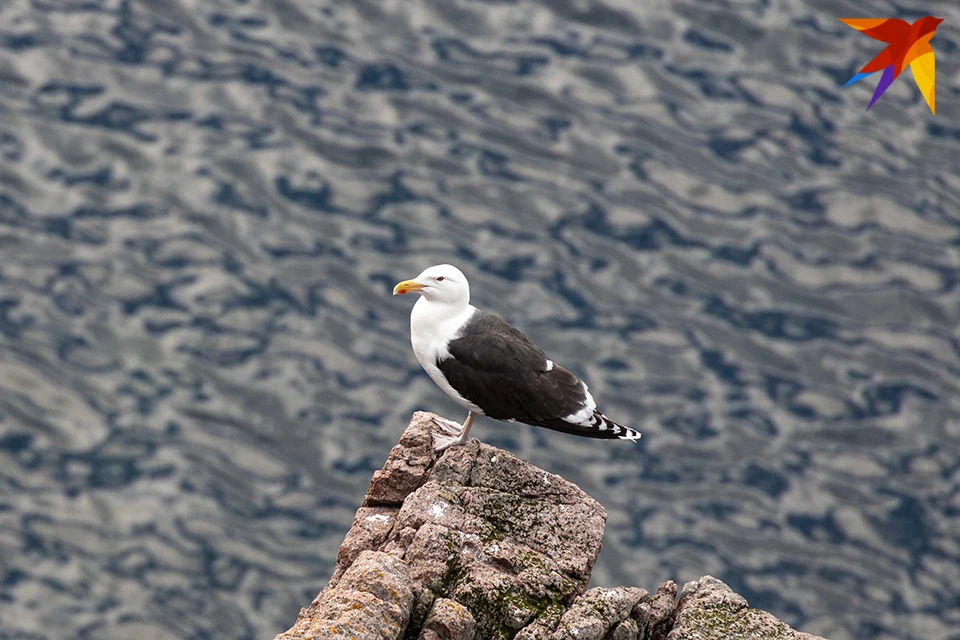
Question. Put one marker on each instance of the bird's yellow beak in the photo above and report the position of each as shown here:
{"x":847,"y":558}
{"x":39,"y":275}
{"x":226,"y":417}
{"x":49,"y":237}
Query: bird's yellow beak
{"x":407,"y":286}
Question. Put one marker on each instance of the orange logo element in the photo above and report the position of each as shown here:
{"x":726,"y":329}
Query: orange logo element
{"x":906,"y":44}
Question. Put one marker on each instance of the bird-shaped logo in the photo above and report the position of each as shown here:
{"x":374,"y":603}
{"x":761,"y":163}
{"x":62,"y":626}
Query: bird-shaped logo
{"x":906,"y":44}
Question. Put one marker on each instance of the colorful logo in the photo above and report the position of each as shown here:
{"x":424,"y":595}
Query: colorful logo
{"x":906,"y":44}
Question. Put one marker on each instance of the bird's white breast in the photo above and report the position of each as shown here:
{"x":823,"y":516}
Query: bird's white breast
{"x":432,"y":326}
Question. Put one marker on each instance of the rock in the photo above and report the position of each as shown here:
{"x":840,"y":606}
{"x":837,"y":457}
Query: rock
{"x":371,"y":601}
{"x":496,"y":534}
{"x":599,"y":612}
{"x":448,"y":620}
{"x":661,"y":610}
{"x":406,"y":467}
{"x":476,"y":543}
{"x":708,"y":609}
{"x":625,"y":630}
{"x":641,"y":617}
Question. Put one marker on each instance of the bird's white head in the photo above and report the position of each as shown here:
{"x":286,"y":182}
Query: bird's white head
{"x":442,"y":283}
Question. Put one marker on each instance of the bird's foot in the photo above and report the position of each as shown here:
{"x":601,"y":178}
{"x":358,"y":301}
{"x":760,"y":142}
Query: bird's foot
{"x":448,"y":426}
{"x":442,"y":441}
{"x":452,"y":434}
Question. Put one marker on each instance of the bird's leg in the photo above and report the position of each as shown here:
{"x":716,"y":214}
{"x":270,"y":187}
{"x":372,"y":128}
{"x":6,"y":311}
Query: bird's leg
{"x":454,"y":434}
{"x":471,"y":416}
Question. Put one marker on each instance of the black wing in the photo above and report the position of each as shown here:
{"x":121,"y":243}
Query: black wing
{"x":501,"y":371}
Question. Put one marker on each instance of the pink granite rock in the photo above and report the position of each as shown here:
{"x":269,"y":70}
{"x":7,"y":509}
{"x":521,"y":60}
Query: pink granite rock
{"x":661,"y":610}
{"x":596,"y":615}
{"x":448,"y":620}
{"x":476,"y":543}
{"x":710,"y":610}
{"x":372,"y":601}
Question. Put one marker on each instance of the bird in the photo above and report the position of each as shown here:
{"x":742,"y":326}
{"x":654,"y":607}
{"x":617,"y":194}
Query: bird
{"x":906,"y":44}
{"x":492,"y":369}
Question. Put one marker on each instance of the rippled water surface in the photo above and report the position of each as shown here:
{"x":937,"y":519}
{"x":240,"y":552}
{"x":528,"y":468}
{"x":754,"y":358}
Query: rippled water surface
{"x":204,"y":206}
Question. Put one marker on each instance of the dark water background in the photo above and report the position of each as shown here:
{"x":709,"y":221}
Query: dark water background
{"x":204,"y":205}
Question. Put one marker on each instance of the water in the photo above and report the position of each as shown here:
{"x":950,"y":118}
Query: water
{"x":204,"y":206}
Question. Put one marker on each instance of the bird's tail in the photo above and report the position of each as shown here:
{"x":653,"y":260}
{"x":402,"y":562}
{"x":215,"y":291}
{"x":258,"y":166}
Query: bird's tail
{"x":618,"y":430}
{"x":597,"y":426}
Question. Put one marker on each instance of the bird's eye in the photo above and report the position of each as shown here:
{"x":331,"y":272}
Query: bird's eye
{"x":439,"y":278}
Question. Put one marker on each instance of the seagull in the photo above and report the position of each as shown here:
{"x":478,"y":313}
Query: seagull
{"x":492,"y":369}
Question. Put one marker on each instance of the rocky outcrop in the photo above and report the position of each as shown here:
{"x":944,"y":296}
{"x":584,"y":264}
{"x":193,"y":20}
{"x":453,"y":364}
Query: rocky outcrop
{"x":710,"y":610}
{"x":372,"y":599}
{"x":476,"y":543}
